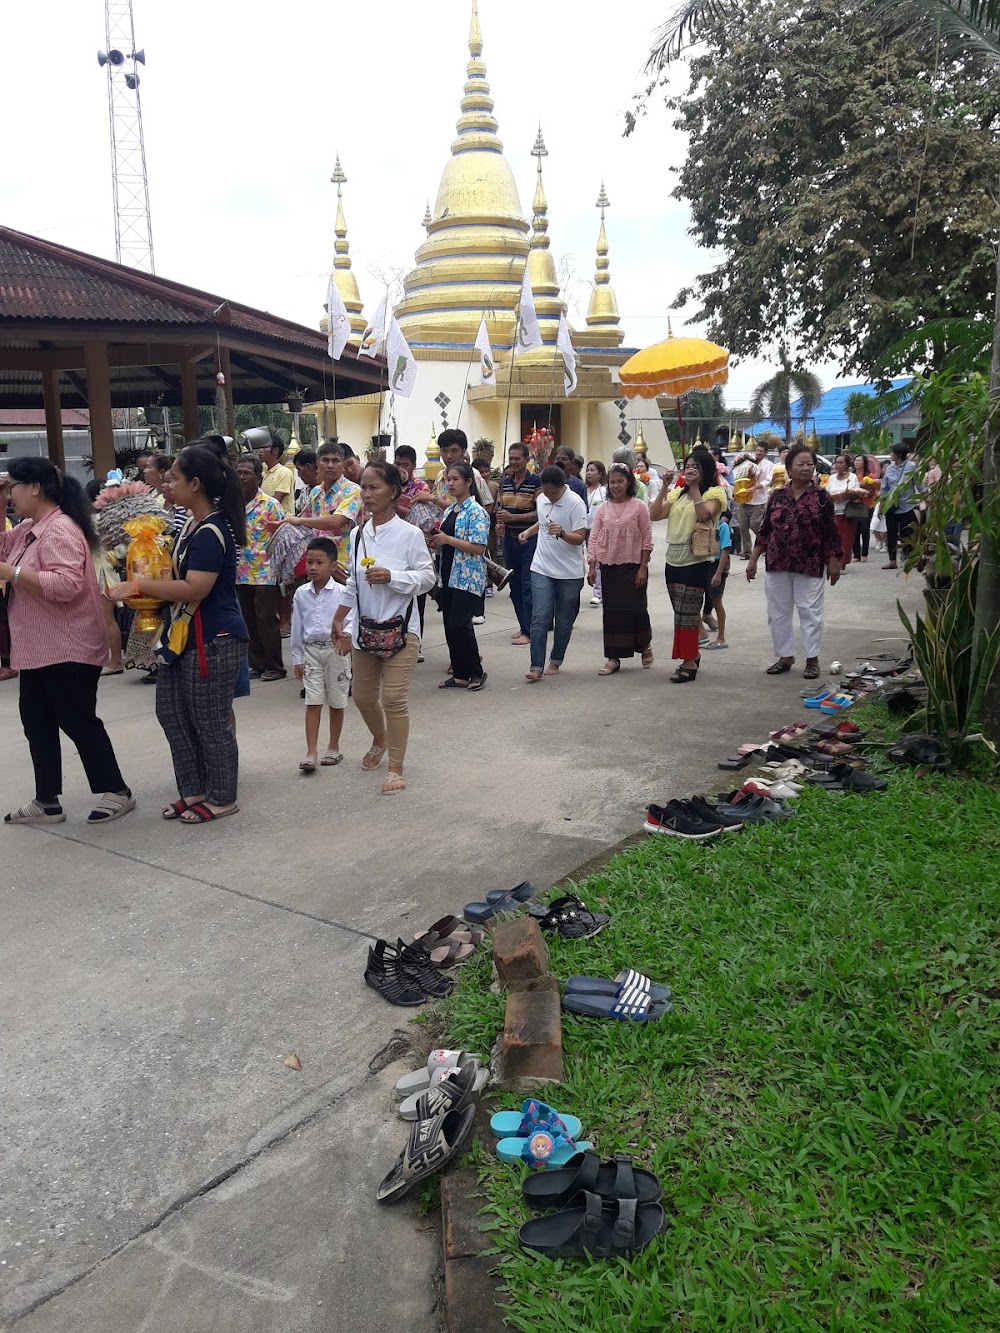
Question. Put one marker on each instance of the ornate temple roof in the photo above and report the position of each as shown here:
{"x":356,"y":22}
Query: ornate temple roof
{"x":473,"y":258}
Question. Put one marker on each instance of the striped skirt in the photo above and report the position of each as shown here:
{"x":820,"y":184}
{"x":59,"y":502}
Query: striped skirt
{"x":686,"y":586}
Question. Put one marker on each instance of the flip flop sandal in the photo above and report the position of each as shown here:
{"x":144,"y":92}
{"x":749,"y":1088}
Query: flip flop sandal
{"x":270,"y":676}
{"x":541,"y":910}
{"x":616,"y":1179}
{"x":778,"y":668}
{"x":591,"y":1226}
{"x":202,"y":814}
{"x":449,"y":928}
{"x":450,"y":1089}
{"x":431,"y":1146}
{"x":837,"y":703}
{"x":478,"y":682}
{"x":174,"y":810}
{"x":736,"y":761}
{"x":374,"y":753}
{"x":477,"y":913}
{"x":331,"y":758}
{"x":630,"y":1006}
{"x":818,"y":700}
{"x":451,"y":953}
{"x":628,"y":979}
{"x":858,"y":780}
{"x":544,"y":1148}
{"x":452,"y":684}
{"x":533,"y":1115}
{"x":920,"y":751}
{"x":307,"y":766}
{"x":420,"y":1079}
{"x":521,"y":892}
{"x":749,"y":748}
{"x":575,"y":922}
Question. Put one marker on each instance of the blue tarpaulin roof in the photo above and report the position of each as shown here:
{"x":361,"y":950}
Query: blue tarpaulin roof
{"x":829,"y":418}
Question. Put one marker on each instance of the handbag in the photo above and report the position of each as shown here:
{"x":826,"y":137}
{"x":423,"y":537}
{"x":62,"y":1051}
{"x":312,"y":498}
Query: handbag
{"x":704,"y":540}
{"x":855,"y":509}
{"x":382,"y":638}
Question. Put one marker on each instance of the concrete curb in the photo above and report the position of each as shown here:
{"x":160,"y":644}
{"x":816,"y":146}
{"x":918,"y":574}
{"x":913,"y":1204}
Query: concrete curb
{"x":469,"y":1286}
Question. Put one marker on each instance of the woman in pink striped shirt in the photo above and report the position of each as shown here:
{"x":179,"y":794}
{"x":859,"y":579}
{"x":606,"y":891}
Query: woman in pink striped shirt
{"x":58,"y":638}
{"x":621,"y":543}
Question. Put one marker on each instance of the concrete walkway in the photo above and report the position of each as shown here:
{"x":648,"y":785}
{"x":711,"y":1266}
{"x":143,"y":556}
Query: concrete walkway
{"x":163,"y":1169}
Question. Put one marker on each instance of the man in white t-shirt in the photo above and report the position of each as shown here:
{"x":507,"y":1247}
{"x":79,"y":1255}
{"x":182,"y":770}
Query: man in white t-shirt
{"x":557,"y":570}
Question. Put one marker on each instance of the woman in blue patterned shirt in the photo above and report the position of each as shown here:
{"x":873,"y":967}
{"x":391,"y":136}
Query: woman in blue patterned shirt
{"x":461,"y":541}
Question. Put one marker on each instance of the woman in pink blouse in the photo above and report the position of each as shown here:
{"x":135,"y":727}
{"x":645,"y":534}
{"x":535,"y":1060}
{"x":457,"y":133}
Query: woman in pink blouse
{"x":58,"y":640}
{"x":621,"y":542}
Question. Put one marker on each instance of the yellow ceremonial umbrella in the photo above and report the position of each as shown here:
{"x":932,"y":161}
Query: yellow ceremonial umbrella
{"x":675,"y":367}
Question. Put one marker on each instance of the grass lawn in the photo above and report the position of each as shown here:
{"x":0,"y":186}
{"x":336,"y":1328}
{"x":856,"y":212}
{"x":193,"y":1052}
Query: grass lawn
{"x":822,"y":1105}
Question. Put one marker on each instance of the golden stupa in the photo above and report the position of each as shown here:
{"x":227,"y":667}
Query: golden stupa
{"x":476,"y":247}
{"x":542,"y":273}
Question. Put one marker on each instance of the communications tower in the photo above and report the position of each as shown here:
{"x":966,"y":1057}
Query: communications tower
{"x":129,"y":184}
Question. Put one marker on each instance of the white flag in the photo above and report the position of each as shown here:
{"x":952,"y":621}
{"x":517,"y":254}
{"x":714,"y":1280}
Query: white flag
{"x":487,"y":370}
{"x":529,"y":335}
{"x":402,"y":365}
{"x":338,"y":322}
{"x":373,"y":338}
{"x":564,"y":346}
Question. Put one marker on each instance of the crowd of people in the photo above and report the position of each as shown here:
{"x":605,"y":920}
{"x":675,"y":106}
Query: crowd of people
{"x":346,"y":555}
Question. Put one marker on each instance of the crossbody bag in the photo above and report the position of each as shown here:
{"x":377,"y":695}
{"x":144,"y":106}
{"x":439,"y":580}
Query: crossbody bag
{"x":381,"y":638}
{"x":183,"y":617}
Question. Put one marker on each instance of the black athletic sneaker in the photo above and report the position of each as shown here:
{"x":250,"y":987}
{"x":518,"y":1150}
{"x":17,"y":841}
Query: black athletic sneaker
{"x":678,"y":821}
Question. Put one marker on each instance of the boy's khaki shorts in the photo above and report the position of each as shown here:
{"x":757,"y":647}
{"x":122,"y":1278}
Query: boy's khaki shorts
{"x":327,"y":676}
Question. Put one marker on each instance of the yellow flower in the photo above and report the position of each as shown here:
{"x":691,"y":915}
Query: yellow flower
{"x":368,"y":561}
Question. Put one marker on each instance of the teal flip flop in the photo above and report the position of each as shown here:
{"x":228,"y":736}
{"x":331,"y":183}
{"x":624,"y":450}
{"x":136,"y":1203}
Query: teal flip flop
{"x":533,"y":1115}
{"x":542,"y":1149}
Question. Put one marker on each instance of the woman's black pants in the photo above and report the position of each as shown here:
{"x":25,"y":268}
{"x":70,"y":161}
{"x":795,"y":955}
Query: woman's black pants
{"x":58,"y":698}
{"x":458,"y":608}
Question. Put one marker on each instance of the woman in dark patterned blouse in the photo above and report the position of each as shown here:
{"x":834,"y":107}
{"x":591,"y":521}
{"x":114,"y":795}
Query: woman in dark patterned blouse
{"x":801,"y":548}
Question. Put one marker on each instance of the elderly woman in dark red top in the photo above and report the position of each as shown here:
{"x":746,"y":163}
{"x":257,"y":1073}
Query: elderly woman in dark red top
{"x":801,"y":548}
{"x":58,"y":639}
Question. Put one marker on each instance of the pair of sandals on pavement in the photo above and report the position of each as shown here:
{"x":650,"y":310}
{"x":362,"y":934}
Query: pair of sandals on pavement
{"x":111,"y":805}
{"x":404,"y":975}
{"x":605,"y":1209}
{"x":537,"y":1135}
{"x":199,"y":812}
{"x":443,"y":1117}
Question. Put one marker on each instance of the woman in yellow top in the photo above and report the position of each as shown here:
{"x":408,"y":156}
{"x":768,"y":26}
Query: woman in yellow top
{"x":697,"y":500}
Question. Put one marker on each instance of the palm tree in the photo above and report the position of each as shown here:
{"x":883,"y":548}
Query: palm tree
{"x":974,"y":27}
{"x":773,"y":398}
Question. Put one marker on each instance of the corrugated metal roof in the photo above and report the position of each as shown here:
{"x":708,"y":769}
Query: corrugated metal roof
{"x":829,"y":418}
{"x":32,"y":418}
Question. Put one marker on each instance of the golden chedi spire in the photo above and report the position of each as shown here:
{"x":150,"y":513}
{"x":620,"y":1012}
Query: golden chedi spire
{"x":473,"y":258}
{"x":603,"y":328}
{"x":343,"y":274}
{"x":427,"y":216}
{"x":542,"y":271}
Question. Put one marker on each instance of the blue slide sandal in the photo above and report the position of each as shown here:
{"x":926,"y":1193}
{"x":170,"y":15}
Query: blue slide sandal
{"x":533,"y":1115}
{"x":541,"y":1150}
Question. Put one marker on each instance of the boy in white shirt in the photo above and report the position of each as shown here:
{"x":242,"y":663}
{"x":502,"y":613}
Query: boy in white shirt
{"x":326,"y":674}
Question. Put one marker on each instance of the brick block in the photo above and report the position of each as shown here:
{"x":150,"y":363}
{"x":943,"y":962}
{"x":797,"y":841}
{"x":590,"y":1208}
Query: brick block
{"x":470,"y":1296}
{"x":544,"y":983}
{"x":532,"y":1038}
{"x":460,"y":1217}
{"x":519,"y":950}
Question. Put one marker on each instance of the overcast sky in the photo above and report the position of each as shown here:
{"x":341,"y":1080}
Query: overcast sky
{"x":245,"y":106}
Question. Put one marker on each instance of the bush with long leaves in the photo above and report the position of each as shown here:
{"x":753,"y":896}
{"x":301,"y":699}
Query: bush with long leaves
{"x":956,"y":678}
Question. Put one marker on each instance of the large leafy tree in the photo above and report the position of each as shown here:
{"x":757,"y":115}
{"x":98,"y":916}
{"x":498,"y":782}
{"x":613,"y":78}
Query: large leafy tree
{"x":847,"y":177}
{"x":774,"y":398}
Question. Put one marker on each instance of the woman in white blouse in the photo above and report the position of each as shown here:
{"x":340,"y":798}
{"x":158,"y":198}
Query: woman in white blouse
{"x":388,"y":568}
{"x":844,"y":488}
{"x":597,"y":493}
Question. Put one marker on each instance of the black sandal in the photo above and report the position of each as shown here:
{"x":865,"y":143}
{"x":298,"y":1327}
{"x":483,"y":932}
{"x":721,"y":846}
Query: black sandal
{"x":591,"y":1226}
{"x":431,"y":1146}
{"x":384,"y":976}
{"x":811,"y":673}
{"x":779,"y":668}
{"x":570,"y":919}
{"x":616,"y":1179}
{"x":682,"y":675}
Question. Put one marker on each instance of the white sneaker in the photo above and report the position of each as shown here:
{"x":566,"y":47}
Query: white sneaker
{"x":479,"y":620}
{"x":489,"y":592}
{"x":595,"y":601}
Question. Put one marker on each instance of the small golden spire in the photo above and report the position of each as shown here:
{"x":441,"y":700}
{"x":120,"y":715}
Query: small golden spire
{"x":477,"y":129}
{"x":475,"y":32}
{"x":343,"y":275}
{"x":540,"y":221}
{"x":602,"y":313}
{"x":640,"y":442}
{"x":427,"y":215}
{"x":542,"y":271}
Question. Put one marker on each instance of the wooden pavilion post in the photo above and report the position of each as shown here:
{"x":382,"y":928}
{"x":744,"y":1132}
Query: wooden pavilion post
{"x":53,"y":417}
{"x":189,"y":398}
{"x":222,"y":363}
{"x":102,"y":435}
